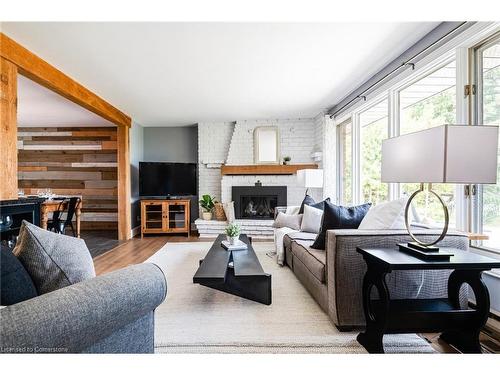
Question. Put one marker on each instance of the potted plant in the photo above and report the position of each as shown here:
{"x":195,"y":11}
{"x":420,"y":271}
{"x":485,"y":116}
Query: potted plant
{"x":233,"y":233}
{"x":207,"y":204}
{"x":286,"y":160}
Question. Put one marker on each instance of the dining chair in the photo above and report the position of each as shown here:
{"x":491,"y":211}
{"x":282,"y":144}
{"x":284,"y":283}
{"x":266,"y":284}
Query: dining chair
{"x":58,"y":225}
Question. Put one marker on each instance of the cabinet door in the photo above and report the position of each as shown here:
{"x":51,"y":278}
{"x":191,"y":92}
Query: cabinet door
{"x":165,"y":216}
{"x":153,"y":217}
{"x":177,"y":216}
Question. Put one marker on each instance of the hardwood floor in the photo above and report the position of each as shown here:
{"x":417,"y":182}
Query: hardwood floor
{"x":134,"y":251}
{"x":137,"y":250}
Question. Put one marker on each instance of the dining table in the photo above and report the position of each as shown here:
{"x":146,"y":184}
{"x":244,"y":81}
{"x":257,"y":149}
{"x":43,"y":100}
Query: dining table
{"x":59,"y":203}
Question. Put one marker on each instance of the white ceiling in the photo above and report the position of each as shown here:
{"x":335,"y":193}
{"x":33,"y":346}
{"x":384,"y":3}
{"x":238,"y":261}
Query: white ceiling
{"x":40,"y":107}
{"x":174,"y":74}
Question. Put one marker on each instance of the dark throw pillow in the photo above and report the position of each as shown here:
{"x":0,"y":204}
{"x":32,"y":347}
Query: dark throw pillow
{"x":15,"y":282}
{"x":53,"y":260}
{"x":309,"y":201}
{"x":339,"y":217}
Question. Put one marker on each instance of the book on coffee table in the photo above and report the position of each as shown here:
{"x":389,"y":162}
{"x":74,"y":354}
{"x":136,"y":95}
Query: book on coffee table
{"x":238,"y":245}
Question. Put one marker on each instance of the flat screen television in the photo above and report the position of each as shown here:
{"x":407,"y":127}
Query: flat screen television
{"x":160,"y":179}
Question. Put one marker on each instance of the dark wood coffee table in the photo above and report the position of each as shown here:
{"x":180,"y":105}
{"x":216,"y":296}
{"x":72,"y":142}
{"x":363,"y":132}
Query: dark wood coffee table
{"x":460,"y":327}
{"x":235,"y":272}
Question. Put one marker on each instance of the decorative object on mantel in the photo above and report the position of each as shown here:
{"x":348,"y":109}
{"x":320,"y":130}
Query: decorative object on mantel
{"x":207,"y":204}
{"x":457,"y":154}
{"x":316,"y":156}
{"x":233,"y":233}
{"x":219,"y":212}
{"x":286,"y":160}
{"x":310,"y":178}
{"x":270,"y":169}
{"x":258,"y":183}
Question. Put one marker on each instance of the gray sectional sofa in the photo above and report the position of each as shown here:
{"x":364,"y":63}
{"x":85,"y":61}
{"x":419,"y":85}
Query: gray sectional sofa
{"x":334,"y":276}
{"x":113,"y":313}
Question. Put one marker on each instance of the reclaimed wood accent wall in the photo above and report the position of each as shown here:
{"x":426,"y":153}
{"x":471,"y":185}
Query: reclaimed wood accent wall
{"x":73,"y":161}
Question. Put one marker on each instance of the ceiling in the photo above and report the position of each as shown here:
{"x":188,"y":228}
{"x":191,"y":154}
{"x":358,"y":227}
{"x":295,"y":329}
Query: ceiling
{"x":40,"y":107}
{"x":176,"y":74}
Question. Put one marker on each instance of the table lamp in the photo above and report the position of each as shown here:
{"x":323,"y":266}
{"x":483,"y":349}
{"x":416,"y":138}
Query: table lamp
{"x":310,"y":178}
{"x":455,"y":154}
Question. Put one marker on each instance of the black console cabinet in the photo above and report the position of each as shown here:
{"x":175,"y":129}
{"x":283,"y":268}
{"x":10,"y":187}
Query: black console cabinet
{"x":18,"y":209}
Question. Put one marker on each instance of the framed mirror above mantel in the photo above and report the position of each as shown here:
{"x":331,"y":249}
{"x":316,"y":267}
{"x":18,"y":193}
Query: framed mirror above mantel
{"x":266,"y":145}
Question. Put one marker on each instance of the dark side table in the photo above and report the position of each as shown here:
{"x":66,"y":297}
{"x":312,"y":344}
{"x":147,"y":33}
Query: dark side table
{"x":459,"y":327}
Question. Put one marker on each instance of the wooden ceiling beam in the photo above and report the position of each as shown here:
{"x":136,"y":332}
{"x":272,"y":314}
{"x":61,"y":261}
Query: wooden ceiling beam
{"x":35,"y":68}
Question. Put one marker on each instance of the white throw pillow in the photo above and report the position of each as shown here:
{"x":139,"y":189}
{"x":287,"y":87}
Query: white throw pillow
{"x":311,"y":220}
{"x":387,"y":215}
{"x":292,"y":210}
{"x":229,"y":211}
{"x":287,"y":221}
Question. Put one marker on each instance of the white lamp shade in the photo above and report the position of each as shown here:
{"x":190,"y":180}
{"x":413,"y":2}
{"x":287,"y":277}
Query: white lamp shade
{"x":310,"y":178}
{"x":445,"y":154}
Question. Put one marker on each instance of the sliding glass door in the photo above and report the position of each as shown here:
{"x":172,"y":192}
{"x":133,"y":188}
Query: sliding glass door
{"x":486,"y":201}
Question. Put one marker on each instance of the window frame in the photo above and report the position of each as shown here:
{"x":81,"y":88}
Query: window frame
{"x":372,"y":103}
{"x":475,"y":219}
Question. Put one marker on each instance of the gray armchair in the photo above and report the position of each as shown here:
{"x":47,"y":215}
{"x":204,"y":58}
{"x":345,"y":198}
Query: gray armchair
{"x":113,"y":313}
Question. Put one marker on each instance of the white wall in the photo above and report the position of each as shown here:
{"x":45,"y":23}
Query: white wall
{"x":171,"y":144}
{"x":213,"y":145}
{"x":297,"y":140}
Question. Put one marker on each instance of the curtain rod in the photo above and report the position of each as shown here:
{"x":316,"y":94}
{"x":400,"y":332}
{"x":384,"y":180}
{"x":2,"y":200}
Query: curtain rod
{"x":410,"y":62}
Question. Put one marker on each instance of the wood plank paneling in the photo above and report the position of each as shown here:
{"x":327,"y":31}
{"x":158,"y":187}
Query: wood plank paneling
{"x":8,"y":130}
{"x":90,"y":173}
{"x":59,"y":175}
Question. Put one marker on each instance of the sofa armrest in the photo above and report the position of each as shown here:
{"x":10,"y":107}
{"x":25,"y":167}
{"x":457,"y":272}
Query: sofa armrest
{"x":346,"y":269}
{"x":77,"y":317}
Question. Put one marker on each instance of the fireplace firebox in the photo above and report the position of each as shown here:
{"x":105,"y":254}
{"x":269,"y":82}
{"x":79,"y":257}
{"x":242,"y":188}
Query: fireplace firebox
{"x":258,"y":202}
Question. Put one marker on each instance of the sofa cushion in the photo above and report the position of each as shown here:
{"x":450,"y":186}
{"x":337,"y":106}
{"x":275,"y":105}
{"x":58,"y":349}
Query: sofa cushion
{"x":314,"y":260}
{"x":339,"y":217}
{"x":15,"y":282}
{"x":53,"y":260}
{"x":287,"y":240}
{"x":309,"y":201}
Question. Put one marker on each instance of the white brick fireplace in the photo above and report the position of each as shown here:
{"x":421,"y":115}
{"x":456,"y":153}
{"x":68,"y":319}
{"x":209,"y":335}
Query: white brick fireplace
{"x":231,"y":143}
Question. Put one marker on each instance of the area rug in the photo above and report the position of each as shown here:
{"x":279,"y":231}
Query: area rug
{"x":197,"y":319}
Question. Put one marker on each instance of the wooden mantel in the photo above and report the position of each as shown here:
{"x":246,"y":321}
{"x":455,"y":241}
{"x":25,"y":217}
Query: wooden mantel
{"x":265,"y":169}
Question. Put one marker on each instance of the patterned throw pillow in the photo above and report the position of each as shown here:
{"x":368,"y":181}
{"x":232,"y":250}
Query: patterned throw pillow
{"x":53,"y":260}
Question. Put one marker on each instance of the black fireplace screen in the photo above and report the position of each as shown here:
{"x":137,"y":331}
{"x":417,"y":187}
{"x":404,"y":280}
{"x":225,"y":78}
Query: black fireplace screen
{"x":257,"y":202}
{"x":254,"y":207}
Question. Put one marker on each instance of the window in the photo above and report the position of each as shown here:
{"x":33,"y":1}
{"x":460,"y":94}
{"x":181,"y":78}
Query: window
{"x":487,"y":200}
{"x":373,"y":124}
{"x":429,"y":102}
{"x":345,"y":162}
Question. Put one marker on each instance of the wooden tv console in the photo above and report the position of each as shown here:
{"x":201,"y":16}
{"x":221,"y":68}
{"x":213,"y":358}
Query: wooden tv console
{"x":165,"y":216}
